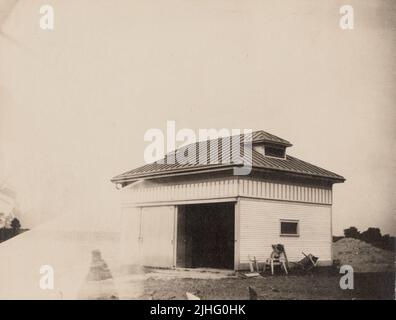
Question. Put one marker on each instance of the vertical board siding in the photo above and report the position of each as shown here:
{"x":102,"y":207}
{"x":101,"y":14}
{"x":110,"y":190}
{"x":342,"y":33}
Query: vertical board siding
{"x":178,"y":192}
{"x":282,"y":191}
{"x":260,"y":228}
{"x":157,"y":236}
{"x":130,"y":235}
{"x":231,"y":187}
{"x":147,"y":236}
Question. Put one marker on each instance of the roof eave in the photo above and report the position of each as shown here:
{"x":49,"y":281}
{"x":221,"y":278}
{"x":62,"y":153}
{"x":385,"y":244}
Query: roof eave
{"x":179,"y":172}
{"x":170,"y":173}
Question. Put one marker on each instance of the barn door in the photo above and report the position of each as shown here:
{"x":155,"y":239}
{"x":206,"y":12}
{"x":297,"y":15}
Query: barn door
{"x":130,"y":235}
{"x":158,"y":236}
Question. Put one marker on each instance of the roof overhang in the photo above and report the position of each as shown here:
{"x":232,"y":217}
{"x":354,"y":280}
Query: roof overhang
{"x":222,"y":168}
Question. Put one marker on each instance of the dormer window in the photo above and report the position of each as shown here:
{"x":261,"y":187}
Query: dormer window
{"x":269,"y":145}
{"x":271,"y":151}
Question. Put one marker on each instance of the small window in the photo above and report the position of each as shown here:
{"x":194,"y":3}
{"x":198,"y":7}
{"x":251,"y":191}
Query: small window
{"x":274,"y":152}
{"x":289,"y":228}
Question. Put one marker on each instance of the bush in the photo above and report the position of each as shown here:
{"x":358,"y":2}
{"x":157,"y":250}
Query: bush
{"x":372,"y":236}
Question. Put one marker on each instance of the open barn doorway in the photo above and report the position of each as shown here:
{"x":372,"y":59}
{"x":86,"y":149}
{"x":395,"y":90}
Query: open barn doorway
{"x":205,"y":236}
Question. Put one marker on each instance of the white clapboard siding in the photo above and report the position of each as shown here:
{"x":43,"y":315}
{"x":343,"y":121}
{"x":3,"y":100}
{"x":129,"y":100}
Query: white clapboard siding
{"x":260,"y":228}
{"x":223,"y":188}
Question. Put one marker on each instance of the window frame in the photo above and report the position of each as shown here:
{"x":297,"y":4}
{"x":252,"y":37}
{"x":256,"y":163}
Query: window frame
{"x":289,"y":234}
{"x":274,"y":148}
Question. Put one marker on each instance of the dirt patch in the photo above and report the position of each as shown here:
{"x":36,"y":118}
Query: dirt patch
{"x":237,"y":288}
{"x":374,"y":278}
{"x":322,"y":284}
{"x":362,"y":256}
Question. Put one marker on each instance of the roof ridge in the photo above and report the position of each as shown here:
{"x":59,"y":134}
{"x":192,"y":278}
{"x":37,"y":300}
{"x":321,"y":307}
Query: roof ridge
{"x":280,"y":140}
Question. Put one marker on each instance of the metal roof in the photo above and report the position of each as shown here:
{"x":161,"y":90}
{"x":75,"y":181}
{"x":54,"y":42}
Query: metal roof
{"x":262,"y":136}
{"x":225,"y":153}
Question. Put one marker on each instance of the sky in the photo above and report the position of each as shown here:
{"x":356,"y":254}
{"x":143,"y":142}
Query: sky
{"x":76,"y":101}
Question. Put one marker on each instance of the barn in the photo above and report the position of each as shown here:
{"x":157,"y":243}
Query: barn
{"x":194,"y":215}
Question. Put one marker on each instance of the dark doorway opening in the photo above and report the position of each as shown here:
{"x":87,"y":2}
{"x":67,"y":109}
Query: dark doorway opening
{"x":205,"y":236}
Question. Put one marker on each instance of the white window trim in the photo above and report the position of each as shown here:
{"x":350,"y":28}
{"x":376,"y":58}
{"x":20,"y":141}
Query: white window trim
{"x":286,"y":234}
